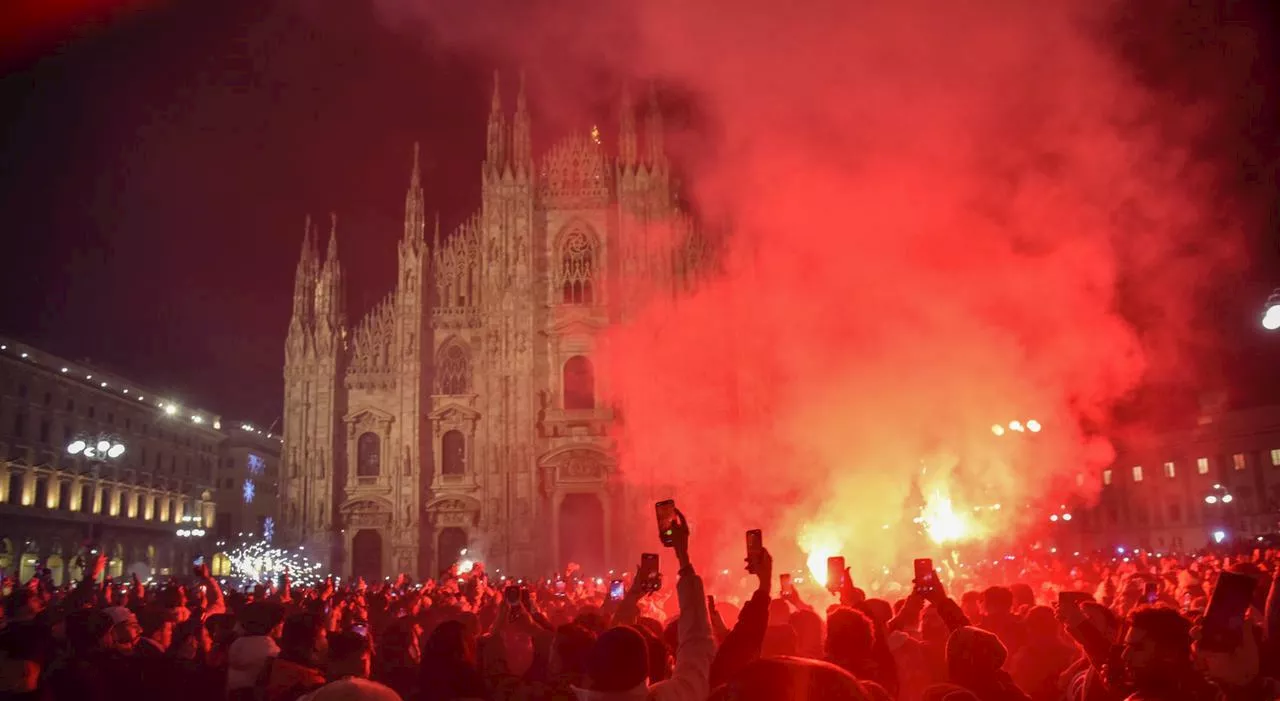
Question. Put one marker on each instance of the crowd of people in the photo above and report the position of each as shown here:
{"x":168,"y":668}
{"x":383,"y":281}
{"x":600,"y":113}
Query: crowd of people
{"x":1093,"y":630}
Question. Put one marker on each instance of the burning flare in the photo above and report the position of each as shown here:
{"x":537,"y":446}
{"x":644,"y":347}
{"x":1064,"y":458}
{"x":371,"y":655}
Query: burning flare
{"x":819,"y":543}
{"x":943,"y":523}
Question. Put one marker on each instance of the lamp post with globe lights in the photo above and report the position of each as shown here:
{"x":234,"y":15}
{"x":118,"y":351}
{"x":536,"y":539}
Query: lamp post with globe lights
{"x":98,"y":451}
{"x":1217,"y":497}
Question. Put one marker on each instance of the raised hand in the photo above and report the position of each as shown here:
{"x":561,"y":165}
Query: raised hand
{"x":764,"y":570}
{"x":680,"y":539}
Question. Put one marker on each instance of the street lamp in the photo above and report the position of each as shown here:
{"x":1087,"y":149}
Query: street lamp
{"x":1219,"y":495}
{"x":97,"y":450}
{"x":1271,"y":312}
{"x":193,"y":527}
{"x":1030,"y":425}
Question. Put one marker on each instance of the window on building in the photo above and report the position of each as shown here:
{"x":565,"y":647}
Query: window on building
{"x":48,"y":398}
{"x":453,"y":450}
{"x":20,"y":425}
{"x":577,"y":269}
{"x":22,"y":391}
{"x":368,"y":449}
{"x":454,"y":370}
{"x":128,"y":424}
{"x":579,"y":384}
{"x":71,"y":405}
{"x":111,"y":418}
{"x":66,"y":433}
{"x":92,"y":411}
{"x":1238,"y":462}
{"x":45,"y":426}
{"x":1169,"y":470}
{"x":1175,"y":513}
{"x":1275,"y":456}
{"x":1137,"y":473}
{"x":1106,"y":476}
{"x":1202,"y":465}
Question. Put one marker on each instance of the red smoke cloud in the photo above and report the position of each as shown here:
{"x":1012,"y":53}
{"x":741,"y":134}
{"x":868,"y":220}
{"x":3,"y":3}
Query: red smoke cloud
{"x":936,"y":213}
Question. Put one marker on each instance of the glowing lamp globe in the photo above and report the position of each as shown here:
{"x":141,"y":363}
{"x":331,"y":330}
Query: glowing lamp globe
{"x":115,"y":451}
{"x":77,"y":447}
{"x":1271,"y":318}
{"x":1271,"y":313}
{"x":103,"y":446}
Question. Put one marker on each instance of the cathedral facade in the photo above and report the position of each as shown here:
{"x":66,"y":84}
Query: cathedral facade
{"x":461,"y":417}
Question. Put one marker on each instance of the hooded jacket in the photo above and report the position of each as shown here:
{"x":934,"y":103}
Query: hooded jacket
{"x":691,"y":680}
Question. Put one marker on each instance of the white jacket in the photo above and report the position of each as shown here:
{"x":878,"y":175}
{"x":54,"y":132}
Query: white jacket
{"x":691,"y":680}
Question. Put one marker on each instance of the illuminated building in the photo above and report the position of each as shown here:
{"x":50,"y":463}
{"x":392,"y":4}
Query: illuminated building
{"x":248,"y":483}
{"x":53,"y":502}
{"x":1177,"y":490}
{"x":462,"y":411}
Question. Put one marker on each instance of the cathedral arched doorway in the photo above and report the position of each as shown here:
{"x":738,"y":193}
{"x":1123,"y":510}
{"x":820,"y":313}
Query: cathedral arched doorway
{"x":582,"y":532}
{"x":451,"y":543}
{"x":366,"y":555}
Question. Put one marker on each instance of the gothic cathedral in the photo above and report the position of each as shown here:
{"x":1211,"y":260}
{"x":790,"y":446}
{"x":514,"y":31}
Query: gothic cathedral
{"x":463,"y":413}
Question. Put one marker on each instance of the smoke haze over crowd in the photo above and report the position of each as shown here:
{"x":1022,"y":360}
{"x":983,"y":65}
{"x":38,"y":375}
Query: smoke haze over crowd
{"x":941,"y":216}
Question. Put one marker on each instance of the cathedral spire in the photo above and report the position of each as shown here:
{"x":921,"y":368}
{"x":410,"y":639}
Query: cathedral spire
{"x":308,"y":243}
{"x":329,"y":309}
{"x":495,"y":147}
{"x":653,"y":128}
{"x":521,"y":142}
{"x":414,"y":212}
{"x":331,"y":255}
{"x":304,"y":280}
{"x":627,"y":129}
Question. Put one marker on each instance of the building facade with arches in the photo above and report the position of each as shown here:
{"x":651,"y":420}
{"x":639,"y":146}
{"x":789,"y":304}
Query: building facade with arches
{"x":465,"y":410}
{"x":55,"y":504}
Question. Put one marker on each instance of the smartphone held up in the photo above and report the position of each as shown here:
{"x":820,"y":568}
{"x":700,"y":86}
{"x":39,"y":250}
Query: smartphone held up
{"x":755,"y":544}
{"x":649,"y":578}
{"x":667,"y":522}
{"x":835,"y":574}
{"x":1223,"y":627}
{"x":926,"y":578}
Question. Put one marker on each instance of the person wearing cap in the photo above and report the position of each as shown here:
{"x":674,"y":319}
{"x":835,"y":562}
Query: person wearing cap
{"x":124,"y":628}
{"x":618,"y":664}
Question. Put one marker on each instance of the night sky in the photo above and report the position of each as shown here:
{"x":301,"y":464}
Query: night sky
{"x":156,"y":166}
